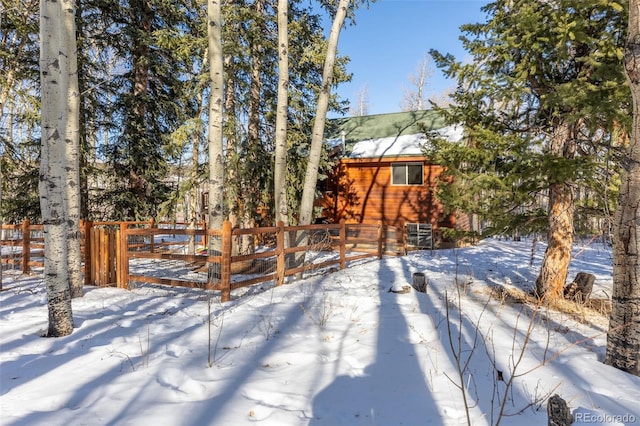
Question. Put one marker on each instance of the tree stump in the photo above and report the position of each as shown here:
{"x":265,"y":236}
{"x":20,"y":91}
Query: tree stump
{"x":419,"y":282}
{"x":559,"y":412}
{"x":580,"y":289}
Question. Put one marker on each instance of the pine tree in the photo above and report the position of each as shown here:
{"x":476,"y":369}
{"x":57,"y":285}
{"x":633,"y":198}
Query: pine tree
{"x":149,"y":105}
{"x":623,"y":337}
{"x":132,"y":136}
{"x":20,"y":110}
{"x":251,"y":47}
{"x":544,"y":84}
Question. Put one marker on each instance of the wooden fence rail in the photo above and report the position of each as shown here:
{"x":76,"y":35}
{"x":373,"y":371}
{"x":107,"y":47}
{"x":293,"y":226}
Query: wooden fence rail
{"x":27,"y":246}
{"x":113,"y":252}
{"x":97,"y":247}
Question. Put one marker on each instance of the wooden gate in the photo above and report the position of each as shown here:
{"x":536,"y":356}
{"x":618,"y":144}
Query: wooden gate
{"x":105,"y":249}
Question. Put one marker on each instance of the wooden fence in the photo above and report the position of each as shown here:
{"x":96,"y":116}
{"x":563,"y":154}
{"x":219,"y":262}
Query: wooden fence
{"x":120,"y":253}
{"x":26,"y":246}
{"x":97,"y":240}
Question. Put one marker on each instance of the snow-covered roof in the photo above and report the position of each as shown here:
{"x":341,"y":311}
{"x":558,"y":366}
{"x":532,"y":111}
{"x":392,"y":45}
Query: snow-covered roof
{"x":393,"y":134}
{"x":451,"y":133}
{"x":401,"y":145}
{"x":380,"y":147}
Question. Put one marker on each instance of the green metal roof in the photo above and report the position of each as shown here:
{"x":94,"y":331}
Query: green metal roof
{"x":382,"y":125}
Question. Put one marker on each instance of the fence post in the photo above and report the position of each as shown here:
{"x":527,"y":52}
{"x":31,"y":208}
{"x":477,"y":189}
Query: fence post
{"x":26,"y":249}
{"x":87,"y":225}
{"x":379,"y":239}
{"x":225,"y":262}
{"x":280,"y":265}
{"x":205,"y":236}
{"x":152,"y":224}
{"x":93,"y":240}
{"x":114,"y":241}
{"x":343,"y":244}
{"x":103,"y":248}
{"x":405,"y":243}
{"x":123,"y":258}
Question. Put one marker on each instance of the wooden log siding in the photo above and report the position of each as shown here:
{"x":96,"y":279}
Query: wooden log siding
{"x":361,"y":191}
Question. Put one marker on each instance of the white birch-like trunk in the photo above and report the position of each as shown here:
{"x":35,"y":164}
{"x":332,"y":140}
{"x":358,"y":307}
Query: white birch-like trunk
{"x":317,"y":137}
{"x":216,"y":153}
{"x":623,"y":337}
{"x":54,"y":75}
{"x":280,"y":171}
{"x":72,"y":157}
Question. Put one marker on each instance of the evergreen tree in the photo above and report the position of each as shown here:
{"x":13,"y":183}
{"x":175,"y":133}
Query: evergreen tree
{"x":149,"y":106}
{"x":250,"y":42}
{"x":623,"y":337}
{"x":544,"y":86}
{"x":253,"y":69}
{"x":20,"y":110}
{"x":143,"y":93}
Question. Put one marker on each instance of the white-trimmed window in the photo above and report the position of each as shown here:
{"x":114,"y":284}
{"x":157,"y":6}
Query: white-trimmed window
{"x":407,"y":174}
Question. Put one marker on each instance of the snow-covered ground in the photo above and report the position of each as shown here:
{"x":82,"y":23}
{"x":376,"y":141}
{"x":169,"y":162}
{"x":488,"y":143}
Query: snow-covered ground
{"x":332,"y":349}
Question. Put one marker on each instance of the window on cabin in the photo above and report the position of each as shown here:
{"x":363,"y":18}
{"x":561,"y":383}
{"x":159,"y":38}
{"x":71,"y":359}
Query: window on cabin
{"x":407,"y":174}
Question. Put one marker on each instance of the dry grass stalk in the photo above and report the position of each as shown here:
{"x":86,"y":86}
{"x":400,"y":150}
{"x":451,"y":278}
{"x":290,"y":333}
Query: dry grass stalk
{"x":590,"y":312}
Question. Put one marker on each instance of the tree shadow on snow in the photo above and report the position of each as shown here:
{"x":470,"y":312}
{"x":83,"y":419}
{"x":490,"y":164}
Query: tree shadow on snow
{"x":393,"y":389}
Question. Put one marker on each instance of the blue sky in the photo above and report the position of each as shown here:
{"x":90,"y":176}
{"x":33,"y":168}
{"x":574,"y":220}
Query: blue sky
{"x":391,"y":37}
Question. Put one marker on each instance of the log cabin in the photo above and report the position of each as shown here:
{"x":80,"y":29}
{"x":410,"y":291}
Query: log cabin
{"x":381,"y":173}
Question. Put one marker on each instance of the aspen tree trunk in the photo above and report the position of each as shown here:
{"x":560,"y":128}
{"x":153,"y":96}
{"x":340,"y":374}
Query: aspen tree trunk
{"x":195,"y":208}
{"x":216,"y":153}
{"x":280,"y":171}
{"x":555,"y":264}
{"x":72,"y":142}
{"x":56,"y":18}
{"x":623,"y":337}
{"x":317,"y":137}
